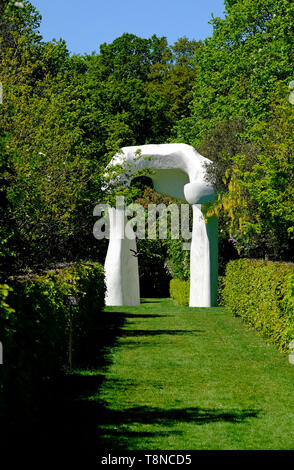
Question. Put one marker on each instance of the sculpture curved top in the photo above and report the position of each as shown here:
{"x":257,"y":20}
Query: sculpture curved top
{"x":179,"y":170}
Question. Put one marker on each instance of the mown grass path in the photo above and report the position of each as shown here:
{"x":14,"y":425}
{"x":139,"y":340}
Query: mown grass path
{"x":190,"y":378}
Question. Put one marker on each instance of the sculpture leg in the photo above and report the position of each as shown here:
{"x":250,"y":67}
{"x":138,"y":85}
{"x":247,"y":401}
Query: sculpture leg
{"x":121,"y":267}
{"x":212,"y":233}
{"x":200,"y":289}
{"x":130,"y":274}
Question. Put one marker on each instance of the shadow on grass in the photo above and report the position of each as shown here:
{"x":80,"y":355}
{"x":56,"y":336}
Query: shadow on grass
{"x":90,"y":429}
{"x":127,"y":333}
{"x":54,"y":421}
{"x":150,"y":315}
{"x":73,"y":428}
{"x":113,"y":434}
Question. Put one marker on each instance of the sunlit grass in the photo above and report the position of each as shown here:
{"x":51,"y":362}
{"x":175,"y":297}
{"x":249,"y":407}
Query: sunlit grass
{"x":193,"y":378}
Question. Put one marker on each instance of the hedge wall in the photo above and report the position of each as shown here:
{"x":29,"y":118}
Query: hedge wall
{"x":34,"y":319}
{"x":262,"y":293}
{"x":180,"y":291}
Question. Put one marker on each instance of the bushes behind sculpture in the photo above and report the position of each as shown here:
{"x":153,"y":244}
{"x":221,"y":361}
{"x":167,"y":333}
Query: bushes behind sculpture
{"x":180,"y":291}
{"x":34,"y":320}
{"x":262,"y":293}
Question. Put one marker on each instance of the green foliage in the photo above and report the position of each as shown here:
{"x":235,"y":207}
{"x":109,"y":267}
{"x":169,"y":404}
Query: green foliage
{"x":220,"y":145}
{"x":237,"y":69}
{"x":178,"y":262}
{"x":256,"y":195}
{"x":154,"y":277}
{"x":242,"y":120}
{"x":6,"y":313}
{"x":163,"y":258}
{"x":169,"y":251}
{"x":153,"y":269}
{"x":16,"y":21}
{"x":139,"y":88}
{"x":48,"y":163}
{"x":63,"y":117}
{"x":262,"y":294}
{"x":35,"y":332}
{"x":180,"y":291}
{"x":220,"y":287}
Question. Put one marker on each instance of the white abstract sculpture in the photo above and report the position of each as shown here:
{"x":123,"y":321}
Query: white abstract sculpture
{"x":179,"y":171}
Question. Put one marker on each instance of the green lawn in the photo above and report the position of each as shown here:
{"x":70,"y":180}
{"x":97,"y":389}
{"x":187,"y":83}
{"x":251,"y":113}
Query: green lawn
{"x":189,"y":378}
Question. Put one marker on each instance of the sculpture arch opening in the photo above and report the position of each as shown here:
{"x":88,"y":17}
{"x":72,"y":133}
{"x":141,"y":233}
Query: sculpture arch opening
{"x":156,"y":268}
{"x":178,"y":171}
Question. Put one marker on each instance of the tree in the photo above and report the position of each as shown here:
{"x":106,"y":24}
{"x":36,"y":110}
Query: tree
{"x":141,"y":87}
{"x":257,"y":199}
{"x":242,"y":72}
{"x":49,"y":166}
{"x":18,"y":21}
{"x":237,"y":69}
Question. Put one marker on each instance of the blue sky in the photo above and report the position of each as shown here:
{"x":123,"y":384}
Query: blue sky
{"x":85,"y":24}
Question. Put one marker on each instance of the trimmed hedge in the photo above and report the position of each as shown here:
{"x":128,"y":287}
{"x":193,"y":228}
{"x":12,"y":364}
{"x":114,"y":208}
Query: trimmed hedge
{"x":180,"y":291}
{"x":5,"y":313}
{"x":35,"y":329}
{"x":6,"y":335}
{"x":262,"y":293}
{"x":220,"y":288}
